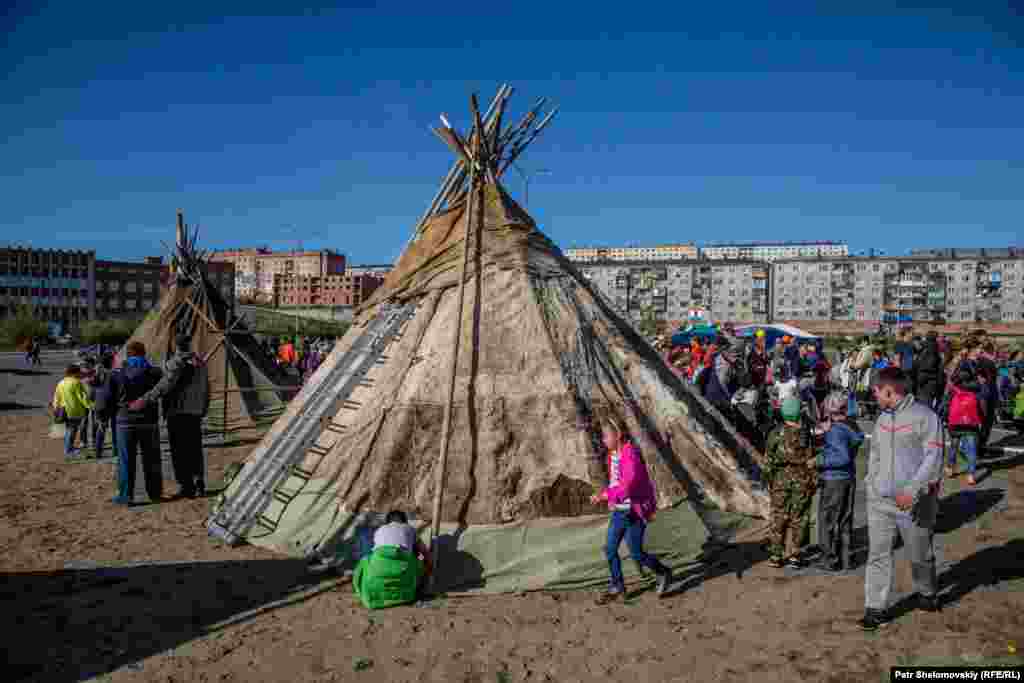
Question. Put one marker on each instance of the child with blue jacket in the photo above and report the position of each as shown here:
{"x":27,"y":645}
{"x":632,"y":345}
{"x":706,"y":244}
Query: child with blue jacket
{"x":837,"y":474}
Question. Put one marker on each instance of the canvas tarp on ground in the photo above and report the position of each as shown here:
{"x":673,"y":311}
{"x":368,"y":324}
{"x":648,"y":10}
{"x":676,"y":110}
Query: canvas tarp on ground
{"x":557,"y":553}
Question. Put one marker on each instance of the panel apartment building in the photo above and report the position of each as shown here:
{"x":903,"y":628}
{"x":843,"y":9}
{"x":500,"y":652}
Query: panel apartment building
{"x":942,"y":287}
{"x":728,"y":290}
{"x":255,"y":269}
{"x":72,"y":287}
{"x":660,"y":252}
{"x":57,"y":285}
{"x":773,"y":251}
{"x":127,"y":289}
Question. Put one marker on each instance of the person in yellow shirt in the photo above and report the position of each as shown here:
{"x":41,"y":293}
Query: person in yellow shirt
{"x":72,"y":397}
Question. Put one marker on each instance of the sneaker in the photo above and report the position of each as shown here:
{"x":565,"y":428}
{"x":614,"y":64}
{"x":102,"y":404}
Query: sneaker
{"x":664,"y":581}
{"x":929,"y":603}
{"x":608,"y":597}
{"x":795,"y":563}
{"x":873,"y":620}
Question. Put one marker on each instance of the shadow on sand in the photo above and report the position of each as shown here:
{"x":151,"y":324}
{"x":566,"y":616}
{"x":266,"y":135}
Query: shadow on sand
{"x":22,"y":372}
{"x":78,"y":623}
{"x":12,"y":405}
{"x":986,"y":568}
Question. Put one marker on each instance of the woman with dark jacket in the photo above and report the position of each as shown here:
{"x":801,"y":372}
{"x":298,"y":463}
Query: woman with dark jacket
{"x":929,"y":377}
{"x":136,"y":429}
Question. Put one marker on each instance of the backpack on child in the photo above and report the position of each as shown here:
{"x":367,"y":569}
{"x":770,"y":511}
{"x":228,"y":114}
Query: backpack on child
{"x":964,"y":409}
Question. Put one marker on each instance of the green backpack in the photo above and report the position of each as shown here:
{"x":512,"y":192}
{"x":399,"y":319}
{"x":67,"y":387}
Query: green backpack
{"x":387,"y":577}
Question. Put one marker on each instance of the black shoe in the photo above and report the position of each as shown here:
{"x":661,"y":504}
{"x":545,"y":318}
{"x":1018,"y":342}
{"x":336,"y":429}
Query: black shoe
{"x":929,"y":603}
{"x":200,"y":489}
{"x":826,"y":565}
{"x":664,"y":581}
{"x":795,"y":563}
{"x":873,"y":620}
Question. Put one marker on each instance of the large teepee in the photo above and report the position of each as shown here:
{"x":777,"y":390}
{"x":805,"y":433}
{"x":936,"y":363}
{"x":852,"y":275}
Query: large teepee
{"x":246,"y":387}
{"x":467,"y":393}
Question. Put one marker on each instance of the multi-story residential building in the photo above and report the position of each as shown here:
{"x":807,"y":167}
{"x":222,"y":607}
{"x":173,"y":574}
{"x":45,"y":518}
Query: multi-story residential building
{"x":128,"y":289}
{"x":659,"y":252}
{"x":56,"y":284}
{"x":255,"y":268}
{"x":773,"y":251}
{"x":727,"y":290}
{"x":894,"y":290}
{"x":325,"y":290}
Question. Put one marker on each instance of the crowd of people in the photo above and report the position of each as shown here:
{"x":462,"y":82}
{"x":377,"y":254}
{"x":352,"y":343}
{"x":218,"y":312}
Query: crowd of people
{"x":126,"y":398}
{"x":302,"y":354}
{"x":799,"y":408}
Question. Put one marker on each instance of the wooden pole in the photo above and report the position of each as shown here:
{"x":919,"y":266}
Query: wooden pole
{"x":227,"y":370}
{"x":442,"y":462}
{"x":179,"y":237}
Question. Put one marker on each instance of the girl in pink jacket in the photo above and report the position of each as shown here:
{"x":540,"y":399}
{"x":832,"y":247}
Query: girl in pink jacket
{"x":631,"y":500}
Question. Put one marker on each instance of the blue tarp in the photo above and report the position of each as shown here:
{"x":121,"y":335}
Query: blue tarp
{"x":773,"y":333}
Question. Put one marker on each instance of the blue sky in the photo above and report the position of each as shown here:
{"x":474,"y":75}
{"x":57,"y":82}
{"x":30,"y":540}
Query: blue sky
{"x":709,"y":121}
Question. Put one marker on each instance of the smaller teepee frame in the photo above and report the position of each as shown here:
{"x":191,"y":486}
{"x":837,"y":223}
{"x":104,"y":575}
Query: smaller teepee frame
{"x":190,"y":303}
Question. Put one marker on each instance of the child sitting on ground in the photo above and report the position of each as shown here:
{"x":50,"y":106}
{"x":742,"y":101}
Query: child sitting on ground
{"x":837,"y":482}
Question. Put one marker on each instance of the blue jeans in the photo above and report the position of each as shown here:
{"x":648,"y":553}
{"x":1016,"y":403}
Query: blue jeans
{"x":364,"y":542}
{"x":71,"y":426}
{"x":966,"y":443}
{"x":100,"y":431}
{"x":626,"y":523}
{"x":130,"y":440}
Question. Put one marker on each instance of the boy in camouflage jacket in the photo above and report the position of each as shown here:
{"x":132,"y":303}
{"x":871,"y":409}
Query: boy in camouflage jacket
{"x":791,"y":475}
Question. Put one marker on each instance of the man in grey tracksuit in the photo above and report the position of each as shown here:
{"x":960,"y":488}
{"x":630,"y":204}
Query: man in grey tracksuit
{"x":902,"y":483}
{"x":185,"y":396}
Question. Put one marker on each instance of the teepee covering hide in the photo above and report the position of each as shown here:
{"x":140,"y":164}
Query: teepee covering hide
{"x":540,"y":361}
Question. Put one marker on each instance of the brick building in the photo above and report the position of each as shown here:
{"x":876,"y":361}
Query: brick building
{"x":255,"y":269}
{"x":324,"y":290}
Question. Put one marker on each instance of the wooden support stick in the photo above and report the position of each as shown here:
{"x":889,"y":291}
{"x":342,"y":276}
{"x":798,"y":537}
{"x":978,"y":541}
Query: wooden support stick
{"x":179,"y":237}
{"x":456,"y":170}
{"x":442,"y":462}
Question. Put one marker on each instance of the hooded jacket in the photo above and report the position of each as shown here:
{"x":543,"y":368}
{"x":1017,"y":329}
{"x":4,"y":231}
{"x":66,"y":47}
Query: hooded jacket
{"x":184,"y":387}
{"x":127,"y":383}
{"x":630,"y":483}
{"x":906,"y":452}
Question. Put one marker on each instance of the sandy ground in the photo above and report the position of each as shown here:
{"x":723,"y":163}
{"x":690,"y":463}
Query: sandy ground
{"x":142,"y":594}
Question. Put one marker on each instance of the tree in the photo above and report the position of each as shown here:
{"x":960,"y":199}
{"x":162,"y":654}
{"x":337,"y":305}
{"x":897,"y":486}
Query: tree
{"x":111,"y":332}
{"x":21,"y":327}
